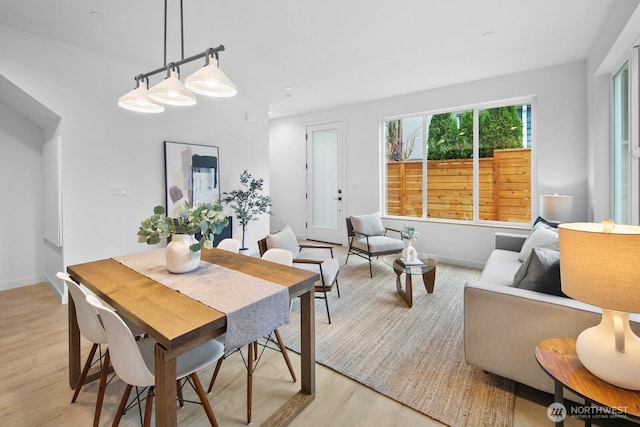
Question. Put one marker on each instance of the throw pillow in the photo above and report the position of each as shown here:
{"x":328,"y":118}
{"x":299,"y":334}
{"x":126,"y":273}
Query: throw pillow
{"x":540,"y":272}
{"x":545,"y":222}
{"x":284,"y":239}
{"x":370,"y":225}
{"x":541,"y":236}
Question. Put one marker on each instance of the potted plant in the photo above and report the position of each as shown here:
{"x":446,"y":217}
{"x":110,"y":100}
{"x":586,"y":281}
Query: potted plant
{"x":183,"y":251}
{"x":247,"y":203}
{"x":409,"y":232}
{"x":409,"y":253}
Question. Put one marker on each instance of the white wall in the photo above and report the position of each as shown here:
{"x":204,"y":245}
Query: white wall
{"x":105,"y":146}
{"x":605,"y":58}
{"x":22,"y":250}
{"x":560,"y":150}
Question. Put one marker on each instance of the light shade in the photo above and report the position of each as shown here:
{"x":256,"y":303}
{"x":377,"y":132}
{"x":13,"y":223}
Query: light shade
{"x":601,"y":268}
{"x":211,"y":81}
{"x":171,"y":91}
{"x":599,"y":265}
{"x":556,"y":208}
{"x":138,"y":100}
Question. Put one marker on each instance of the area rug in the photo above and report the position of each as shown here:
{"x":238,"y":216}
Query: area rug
{"x":412,"y":355}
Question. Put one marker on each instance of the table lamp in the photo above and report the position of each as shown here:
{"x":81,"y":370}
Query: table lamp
{"x":556,"y":208}
{"x":600,"y":265}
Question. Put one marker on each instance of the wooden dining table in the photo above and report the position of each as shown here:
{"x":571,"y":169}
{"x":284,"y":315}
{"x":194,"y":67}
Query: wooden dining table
{"x":179,"y":323}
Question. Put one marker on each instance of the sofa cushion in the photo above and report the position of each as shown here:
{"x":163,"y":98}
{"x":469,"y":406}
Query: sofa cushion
{"x":540,"y":272}
{"x":284,"y":239}
{"x":541,"y":236}
{"x":545,"y":222}
{"x":500,"y":268}
{"x":370,"y":225}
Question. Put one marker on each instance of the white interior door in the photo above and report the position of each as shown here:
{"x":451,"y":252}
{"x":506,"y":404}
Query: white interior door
{"x":324,"y":183}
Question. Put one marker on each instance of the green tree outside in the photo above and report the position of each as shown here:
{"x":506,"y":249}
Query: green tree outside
{"x":394,"y":140}
{"x":443,"y":137}
{"x":451,"y":136}
{"x":500,"y":128}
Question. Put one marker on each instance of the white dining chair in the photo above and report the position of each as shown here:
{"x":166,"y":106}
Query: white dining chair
{"x":228,"y":244}
{"x":133,"y":361}
{"x":280,"y":256}
{"x":91,"y":329}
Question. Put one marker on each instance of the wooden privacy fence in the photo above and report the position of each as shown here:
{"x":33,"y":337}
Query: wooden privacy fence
{"x":504,"y":187}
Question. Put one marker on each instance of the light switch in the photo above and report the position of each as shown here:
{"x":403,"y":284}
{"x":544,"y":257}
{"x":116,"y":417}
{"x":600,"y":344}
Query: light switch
{"x":119,"y":190}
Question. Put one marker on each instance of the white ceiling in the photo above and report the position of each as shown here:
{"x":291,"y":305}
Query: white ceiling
{"x":329,"y":52}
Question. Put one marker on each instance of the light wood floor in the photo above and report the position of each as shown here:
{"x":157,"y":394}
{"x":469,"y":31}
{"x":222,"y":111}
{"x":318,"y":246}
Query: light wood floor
{"x":34,"y":389}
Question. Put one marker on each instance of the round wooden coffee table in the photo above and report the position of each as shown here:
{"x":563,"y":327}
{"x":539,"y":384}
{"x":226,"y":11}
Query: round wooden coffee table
{"x":427,"y":269}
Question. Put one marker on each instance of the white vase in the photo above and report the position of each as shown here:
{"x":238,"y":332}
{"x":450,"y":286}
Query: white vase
{"x":409,"y":253}
{"x":180,"y":259}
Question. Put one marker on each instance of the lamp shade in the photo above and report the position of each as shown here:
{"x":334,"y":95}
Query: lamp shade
{"x":556,"y":208}
{"x":599,"y":265}
{"x":601,"y":268}
{"x":171,"y":91}
{"x":211,"y":81}
{"x":138,"y":100}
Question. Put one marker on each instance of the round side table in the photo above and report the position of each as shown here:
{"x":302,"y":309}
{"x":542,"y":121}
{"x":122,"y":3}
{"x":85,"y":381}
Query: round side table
{"x":558,"y":358}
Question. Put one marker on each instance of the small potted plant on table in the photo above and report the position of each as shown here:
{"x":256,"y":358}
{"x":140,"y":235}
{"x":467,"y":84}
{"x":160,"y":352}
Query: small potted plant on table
{"x":183,"y":251}
{"x":409,"y":253}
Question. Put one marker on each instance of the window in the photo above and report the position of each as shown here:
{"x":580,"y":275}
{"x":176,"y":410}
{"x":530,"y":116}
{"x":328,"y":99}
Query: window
{"x":431,"y":169}
{"x":621,"y":199}
{"x":404,"y":153}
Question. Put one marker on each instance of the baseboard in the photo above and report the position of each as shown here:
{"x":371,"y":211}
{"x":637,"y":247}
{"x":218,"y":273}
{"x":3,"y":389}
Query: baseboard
{"x":461,"y":262}
{"x":21,"y":282}
{"x":32,"y":281}
{"x":62,"y":297}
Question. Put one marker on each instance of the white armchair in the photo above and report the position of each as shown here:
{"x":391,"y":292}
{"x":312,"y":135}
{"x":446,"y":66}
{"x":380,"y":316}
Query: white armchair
{"x":328,"y":268}
{"x":368,"y":237}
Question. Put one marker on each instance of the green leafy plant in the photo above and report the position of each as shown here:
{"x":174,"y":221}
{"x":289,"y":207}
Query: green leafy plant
{"x":409,"y":232}
{"x":204,"y":219}
{"x":248,"y":203}
{"x":500,"y":128}
{"x":451,"y":135}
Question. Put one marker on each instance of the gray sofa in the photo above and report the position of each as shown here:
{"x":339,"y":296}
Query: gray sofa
{"x":503,"y":324}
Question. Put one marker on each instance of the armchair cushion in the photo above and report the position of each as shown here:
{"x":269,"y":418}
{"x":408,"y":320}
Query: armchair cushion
{"x":370,"y":225}
{"x":378,"y":244}
{"x":330,"y":268}
{"x":284,"y":239}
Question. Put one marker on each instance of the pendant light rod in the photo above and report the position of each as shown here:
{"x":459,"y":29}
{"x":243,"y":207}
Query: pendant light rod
{"x":212,"y":51}
{"x":165,"y":32}
{"x":181,"y":32}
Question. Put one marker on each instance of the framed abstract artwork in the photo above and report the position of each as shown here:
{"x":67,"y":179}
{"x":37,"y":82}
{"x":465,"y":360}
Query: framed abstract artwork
{"x":192,"y":173}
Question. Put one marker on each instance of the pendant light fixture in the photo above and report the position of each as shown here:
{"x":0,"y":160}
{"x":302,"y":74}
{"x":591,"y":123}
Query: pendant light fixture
{"x":208,"y":81}
{"x":171,"y":91}
{"x":138,"y":99}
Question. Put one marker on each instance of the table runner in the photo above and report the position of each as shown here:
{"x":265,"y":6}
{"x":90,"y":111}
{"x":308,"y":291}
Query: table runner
{"x":254,"y":307}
